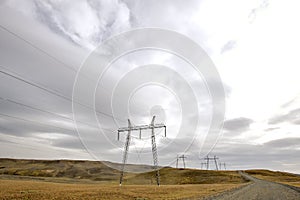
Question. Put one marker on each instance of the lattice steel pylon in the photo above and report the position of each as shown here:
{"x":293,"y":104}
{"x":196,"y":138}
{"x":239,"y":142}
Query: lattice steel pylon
{"x":154,"y":152}
{"x":203,"y":164}
{"x":222,"y":164}
{"x":183,"y":160}
{"x":125,"y":155}
{"x":131,"y":128}
{"x":215,"y":158}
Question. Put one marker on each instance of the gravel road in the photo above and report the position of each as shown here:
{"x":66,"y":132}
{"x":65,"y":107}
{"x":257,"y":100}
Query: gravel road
{"x":260,"y":190}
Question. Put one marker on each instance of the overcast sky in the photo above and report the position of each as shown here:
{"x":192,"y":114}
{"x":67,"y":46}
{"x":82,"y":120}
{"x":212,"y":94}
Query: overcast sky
{"x":253,"y":44}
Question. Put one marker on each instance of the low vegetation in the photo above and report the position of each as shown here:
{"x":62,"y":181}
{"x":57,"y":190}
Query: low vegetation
{"x":171,"y":176}
{"x":69,"y":179}
{"x":276,"y":176}
{"x":79,"y":171}
{"x":65,"y":179}
{"x":17,"y":189}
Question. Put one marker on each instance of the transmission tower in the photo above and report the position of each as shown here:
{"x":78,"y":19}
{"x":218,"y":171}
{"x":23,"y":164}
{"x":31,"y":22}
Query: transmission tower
{"x":203,"y":164}
{"x":222,"y":164}
{"x":182,"y":157}
{"x":131,"y":128}
{"x":215,"y":159}
{"x":208,"y":159}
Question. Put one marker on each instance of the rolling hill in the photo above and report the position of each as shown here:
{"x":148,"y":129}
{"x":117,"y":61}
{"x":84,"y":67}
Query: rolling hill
{"x":77,"y":170}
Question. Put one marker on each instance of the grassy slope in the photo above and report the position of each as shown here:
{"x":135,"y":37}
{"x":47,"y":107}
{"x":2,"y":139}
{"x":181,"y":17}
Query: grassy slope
{"x":171,"y":176}
{"x":276,"y":176}
{"x":97,"y":171}
{"x":12,"y":189}
{"x":94,"y":180}
{"x":58,"y":168}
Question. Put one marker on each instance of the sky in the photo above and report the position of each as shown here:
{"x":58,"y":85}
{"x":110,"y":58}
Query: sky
{"x":49,"y":62}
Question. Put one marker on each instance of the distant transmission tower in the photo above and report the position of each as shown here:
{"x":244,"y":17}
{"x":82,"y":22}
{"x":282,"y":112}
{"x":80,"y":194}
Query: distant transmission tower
{"x":208,"y":159}
{"x":222,"y":164}
{"x":182,"y":157}
{"x":203,"y":164}
{"x":130,"y":128}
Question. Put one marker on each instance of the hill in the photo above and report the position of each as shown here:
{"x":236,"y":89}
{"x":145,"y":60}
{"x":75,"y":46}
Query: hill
{"x":172,"y":176}
{"x":76,"y":170}
{"x":276,"y":176}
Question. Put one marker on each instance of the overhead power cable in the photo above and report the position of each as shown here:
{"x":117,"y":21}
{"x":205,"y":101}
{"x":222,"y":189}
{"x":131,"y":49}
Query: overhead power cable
{"x":51,"y":113}
{"x":54,"y":93}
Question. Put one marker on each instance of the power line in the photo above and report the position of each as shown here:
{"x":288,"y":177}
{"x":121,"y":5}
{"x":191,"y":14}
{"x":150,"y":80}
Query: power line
{"x":49,"y":112}
{"x":54,"y":93}
{"x":57,"y":60}
{"x":35,"y":122}
{"x":15,"y":76}
{"x":37,"y":48}
{"x":41,"y":124}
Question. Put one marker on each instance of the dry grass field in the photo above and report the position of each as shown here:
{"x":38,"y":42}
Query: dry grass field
{"x":69,"y":179}
{"x":172,"y":176}
{"x":68,"y":171}
{"x":276,"y":176}
{"x":19,"y":189}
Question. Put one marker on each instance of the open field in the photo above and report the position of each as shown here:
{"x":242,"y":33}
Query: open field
{"x":276,"y":176}
{"x":65,"y":179}
{"x":18,"y":189}
{"x":68,"y":171}
{"x":172,"y":176}
{"x":70,"y":179}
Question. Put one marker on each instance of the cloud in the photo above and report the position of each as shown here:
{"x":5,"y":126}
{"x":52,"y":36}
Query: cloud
{"x":292,"y":116}
{"x":288,"y":143}
{"x":272,"y":129}
{"x":61,"y":28}
{"x":228,"y":46}
{"x":238,"y":124}
{"x":87,"y":23}
{"x":273,"y":155}
{"x":254,"y":12}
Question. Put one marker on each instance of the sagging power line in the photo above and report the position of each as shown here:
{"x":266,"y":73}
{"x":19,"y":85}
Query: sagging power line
{"x":50,"y":91}
{"x":51,"y":113}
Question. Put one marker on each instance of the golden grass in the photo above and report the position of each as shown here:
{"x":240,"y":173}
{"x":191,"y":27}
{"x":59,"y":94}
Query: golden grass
{"x":69,"y":171}
{"x":17,"y":189}
{"x":63,"y":179}
{"x":171,"y":176}
{"x":276,"y":176}
{"x":295,"y":184}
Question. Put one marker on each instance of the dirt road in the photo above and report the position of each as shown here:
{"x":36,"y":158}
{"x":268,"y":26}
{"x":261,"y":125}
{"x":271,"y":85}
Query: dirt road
{"x":260,"y":190}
